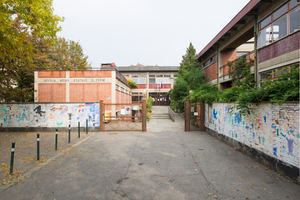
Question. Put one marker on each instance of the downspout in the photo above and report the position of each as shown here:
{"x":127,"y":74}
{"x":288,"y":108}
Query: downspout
{"x":255,"y":50}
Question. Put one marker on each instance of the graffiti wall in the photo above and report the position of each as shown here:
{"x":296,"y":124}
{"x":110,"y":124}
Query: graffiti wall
{"x":270,"y":128}
{"x":49,"y":115}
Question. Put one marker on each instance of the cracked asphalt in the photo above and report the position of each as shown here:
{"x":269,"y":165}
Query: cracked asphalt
{"x":163,"y":163}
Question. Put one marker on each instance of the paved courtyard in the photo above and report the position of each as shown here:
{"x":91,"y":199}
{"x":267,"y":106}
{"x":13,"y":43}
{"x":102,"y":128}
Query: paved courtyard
{"x":163,"y":163}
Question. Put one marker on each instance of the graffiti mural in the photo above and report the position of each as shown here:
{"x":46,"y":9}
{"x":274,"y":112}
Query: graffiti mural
{"x":49,"y":115}
{"x":272,"y":129}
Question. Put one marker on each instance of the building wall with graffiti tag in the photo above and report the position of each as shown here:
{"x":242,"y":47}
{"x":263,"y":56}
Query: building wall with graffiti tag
{"x":270,"y":128}
{"x":49,"y":114}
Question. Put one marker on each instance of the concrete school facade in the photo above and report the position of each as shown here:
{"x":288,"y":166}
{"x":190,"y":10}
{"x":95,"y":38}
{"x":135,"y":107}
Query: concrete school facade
{"x":87,"y":86}
{"x":274,"y":28}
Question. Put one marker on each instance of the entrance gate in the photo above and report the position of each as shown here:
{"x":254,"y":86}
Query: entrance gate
{"x":194,"y":116}
{"x":122,"y":116}
{"x":160,"y":99}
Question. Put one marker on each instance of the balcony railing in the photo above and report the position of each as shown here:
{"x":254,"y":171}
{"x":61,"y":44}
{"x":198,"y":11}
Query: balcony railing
{"x":224,"y":70}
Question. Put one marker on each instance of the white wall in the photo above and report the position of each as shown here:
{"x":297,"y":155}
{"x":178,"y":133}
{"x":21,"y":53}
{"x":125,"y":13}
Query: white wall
{"x":49,"y":114}
{"x":270,"y":128}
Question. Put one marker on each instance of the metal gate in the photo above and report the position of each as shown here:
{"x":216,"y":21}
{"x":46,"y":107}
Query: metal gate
{"x":194,"y":116}
{"x":123,"y":116}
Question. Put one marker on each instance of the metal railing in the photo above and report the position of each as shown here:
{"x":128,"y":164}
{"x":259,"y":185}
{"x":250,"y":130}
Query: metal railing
{"x":171,"y":114}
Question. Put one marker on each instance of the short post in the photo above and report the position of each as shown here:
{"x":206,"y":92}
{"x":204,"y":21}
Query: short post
{"x":38,"y":146}
{"x":78,"y":129}
{"x":69,"y":138}
{"x":56,"y":141}
{"x":87,"y":126}
{"x":12,"y":157}
{"x":144,"y":116}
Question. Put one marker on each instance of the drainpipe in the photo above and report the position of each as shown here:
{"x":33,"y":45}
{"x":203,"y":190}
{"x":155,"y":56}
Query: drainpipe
{"x":255,"y":50}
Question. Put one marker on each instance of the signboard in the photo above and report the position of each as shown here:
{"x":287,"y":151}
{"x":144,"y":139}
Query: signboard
{"x":192,"y":109}
{"x":108,"y":98}
{"x":135,"y":108}
{"x":128,"y":110}
{"x":196,"y":113}
{"x":122,"y":111}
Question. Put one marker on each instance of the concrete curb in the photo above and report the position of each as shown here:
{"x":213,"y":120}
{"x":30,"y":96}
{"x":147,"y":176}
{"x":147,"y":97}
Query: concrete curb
{"x":34,"y":169}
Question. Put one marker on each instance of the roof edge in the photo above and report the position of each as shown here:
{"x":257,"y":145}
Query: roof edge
{"x":238,"y":17}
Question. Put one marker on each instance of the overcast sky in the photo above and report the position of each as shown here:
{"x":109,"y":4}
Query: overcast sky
{"x":149,"y":32}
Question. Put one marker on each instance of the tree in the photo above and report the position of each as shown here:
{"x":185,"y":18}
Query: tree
{"x":22,"y":22}
{"x":190,"y":77}
{"x":68,"y":55}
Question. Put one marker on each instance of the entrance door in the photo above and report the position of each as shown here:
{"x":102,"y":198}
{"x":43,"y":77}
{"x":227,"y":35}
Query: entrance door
{"x":160,"y":99}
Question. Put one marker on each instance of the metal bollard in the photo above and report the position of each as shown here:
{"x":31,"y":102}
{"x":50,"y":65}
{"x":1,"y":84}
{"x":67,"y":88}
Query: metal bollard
{"x":78,"y":129}
{"x":69,"y":138}
{"x":38,"y":146}
{"x":87,"y":126}
{"x":12,"y":157}
{"x":56,"y":140}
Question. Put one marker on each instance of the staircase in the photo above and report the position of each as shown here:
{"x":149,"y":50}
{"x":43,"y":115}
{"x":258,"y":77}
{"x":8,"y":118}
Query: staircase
{"x":159,"y":116}
{"x":159,"y":112}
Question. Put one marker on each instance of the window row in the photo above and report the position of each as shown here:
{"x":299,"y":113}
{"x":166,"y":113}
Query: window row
{"x":210,"y":61}
{"x":280,"y":23}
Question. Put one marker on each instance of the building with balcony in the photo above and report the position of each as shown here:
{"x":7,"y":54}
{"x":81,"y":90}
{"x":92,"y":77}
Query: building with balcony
{"x":270,"y":27}
{"x":154,"y":81}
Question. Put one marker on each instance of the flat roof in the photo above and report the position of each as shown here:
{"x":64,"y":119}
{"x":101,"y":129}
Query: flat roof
{"x":149,"y":69}
{"x":230,"y":25}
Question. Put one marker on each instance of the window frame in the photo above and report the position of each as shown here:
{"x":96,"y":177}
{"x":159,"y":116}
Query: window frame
{"x":270,"y":24}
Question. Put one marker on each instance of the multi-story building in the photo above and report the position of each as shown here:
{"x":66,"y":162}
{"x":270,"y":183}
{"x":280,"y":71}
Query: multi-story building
{"x":154,"y":81}
{"x":274,"y":27}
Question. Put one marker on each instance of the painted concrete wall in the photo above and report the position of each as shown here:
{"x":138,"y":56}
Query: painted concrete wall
{"x":270,"y":128}
{"x":49,"y":114}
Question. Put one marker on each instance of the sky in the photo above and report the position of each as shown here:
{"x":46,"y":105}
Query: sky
{"x":149,"y":32}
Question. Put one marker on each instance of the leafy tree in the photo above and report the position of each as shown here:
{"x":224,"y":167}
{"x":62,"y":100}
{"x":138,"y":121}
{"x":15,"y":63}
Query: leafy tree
{"x":189,"y":77}
{"x":240,"y":72}
{"x":68,"y":55}
{"x":20,"y":22}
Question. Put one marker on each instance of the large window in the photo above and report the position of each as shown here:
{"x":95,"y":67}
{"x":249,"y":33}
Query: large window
{"x":280,"y":23}
{"x":139,"y":79}
{"x":159,"y":79}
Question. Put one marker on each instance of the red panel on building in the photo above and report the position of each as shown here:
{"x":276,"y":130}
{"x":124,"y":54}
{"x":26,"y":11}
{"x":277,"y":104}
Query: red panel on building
{"x":52,"y":74}
{"x":90,"y":92}
{"x":54,"y":92}
{"x":89,"y":74}
{"x":279,"y":48}
{"x":153,"y":86}
{"x":142,"y":86}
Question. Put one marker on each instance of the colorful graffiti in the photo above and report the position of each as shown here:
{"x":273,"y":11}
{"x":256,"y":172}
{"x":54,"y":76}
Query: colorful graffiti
{"x":49,"y":115}
{"x":272,"y":129}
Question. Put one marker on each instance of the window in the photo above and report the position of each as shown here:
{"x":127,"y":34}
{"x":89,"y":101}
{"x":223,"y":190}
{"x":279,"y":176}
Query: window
{"x":151,"y":75}
{"x":139,"y":79}
{"x":276,"y":73}
{"x":151,"y":80}
{"x":279,"y":24}
{"x":295,"y":20}
{"x":126,"y":75}
{"x":265,"y":75}
{"x":160,"y":79}
{"x":264,"y":37}
{"x":280,"y":28}
{"x":137,"y":97}
{"x":294,"y":3}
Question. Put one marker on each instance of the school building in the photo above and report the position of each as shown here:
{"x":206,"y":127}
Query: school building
{"x":267,"y":31}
